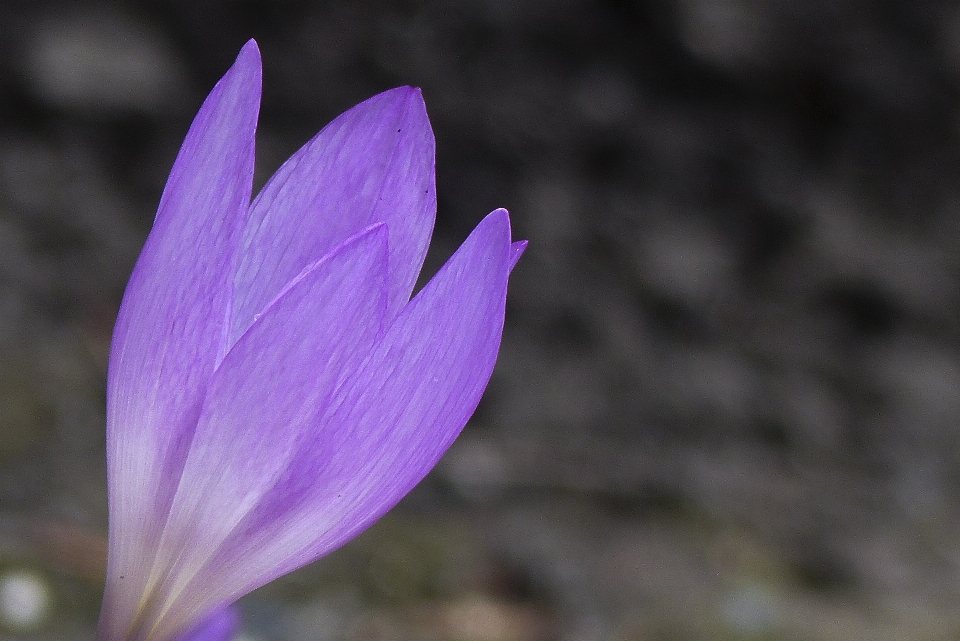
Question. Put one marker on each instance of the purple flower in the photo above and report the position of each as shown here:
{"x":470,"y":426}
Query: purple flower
{"x":273,"y":388}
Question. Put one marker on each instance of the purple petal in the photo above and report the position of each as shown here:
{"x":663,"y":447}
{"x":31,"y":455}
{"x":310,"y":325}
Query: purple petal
{"x":386,"y":426}
{"x":260,"y":409}
{"x":516,"y":251}
{"x":219,"y":626}
{"x":374,"y":163}
{"x":170,"y":329}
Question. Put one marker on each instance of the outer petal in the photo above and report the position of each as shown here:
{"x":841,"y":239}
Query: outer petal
{"x":386,"y":426}
{"x":171,"y":328}
{"x":259,"y":413}
{"x":374,"y":163}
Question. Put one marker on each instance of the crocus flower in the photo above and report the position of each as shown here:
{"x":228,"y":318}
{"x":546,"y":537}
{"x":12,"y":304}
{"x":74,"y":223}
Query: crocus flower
{"x":273,"y":389}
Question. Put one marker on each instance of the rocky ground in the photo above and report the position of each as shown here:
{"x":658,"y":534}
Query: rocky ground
{"x":727,"y":401}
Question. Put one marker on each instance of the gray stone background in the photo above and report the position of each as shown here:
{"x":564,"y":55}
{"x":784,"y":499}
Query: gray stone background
{"x":727,"y":401}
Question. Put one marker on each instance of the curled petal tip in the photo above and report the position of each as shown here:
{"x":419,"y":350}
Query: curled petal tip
{"x":516,"y":251}
{"x":502,"y":216}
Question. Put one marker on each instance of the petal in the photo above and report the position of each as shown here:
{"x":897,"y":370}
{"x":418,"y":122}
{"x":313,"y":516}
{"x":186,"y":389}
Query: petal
{"x":516,"y":251}
{"x":374,"y":163}
{"x":219,"y":626}
{"x":386,"y":426}
{"x":260,"y":411}
{"x":170,"y":328}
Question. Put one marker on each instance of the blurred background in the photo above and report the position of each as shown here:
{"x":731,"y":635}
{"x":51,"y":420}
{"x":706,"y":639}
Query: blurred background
{"x":727,"y":401}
